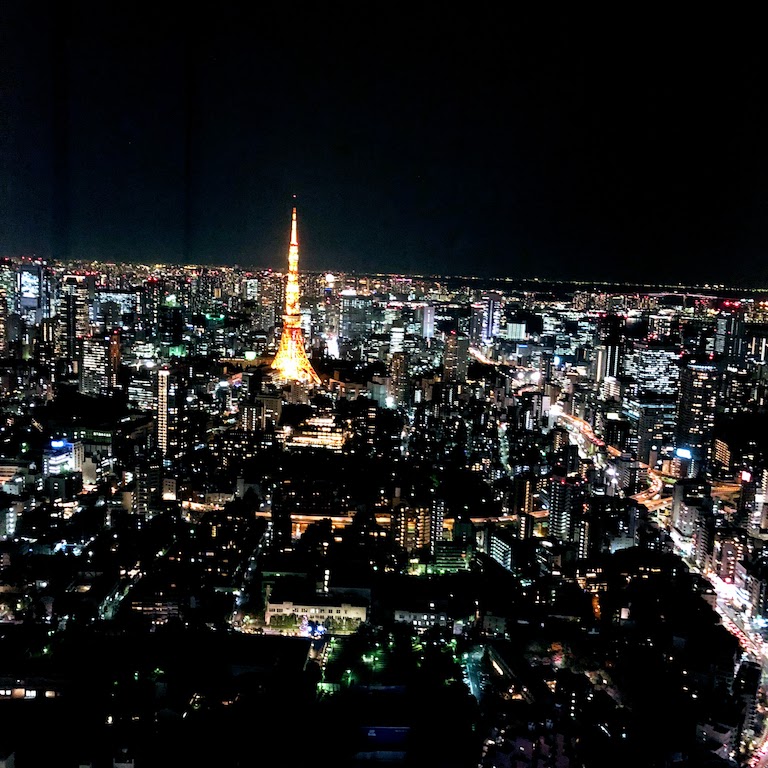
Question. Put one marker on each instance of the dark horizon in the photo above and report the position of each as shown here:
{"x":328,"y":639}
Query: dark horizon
{"x":563,"y":147}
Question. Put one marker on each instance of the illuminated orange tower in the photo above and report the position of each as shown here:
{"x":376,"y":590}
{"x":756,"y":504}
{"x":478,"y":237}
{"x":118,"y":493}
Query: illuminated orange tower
{"x":291,"y":362}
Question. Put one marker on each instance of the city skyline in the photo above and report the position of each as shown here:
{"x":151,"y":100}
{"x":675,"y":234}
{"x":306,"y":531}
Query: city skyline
{"x":526,"y":515}
{"x":552,"y":148}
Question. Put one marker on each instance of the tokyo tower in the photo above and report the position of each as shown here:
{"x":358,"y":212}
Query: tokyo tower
{"x":291,"y":362}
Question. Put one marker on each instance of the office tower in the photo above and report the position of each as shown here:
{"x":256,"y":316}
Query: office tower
{"x":396,"y":337}
{"x":250,"y":289}
{"x":663,"y":326}
{"x":355,"y":315}
{"x":95,"y":370}
{"x":426,"y":315}
{"x":398,"y":378}
{"x":151,"y":300}
{"x":8,"y":285}
{"x":653,"y":425}
{"x":485,"y":319}
{"x":330,"y":303}
{"x":31,"y":293}
{"x":606,"y":361}
{"x":270,"y":301}
{"x":455,"y":357}
{"x":148,"y":484}
{"x":697,"y":401}
{"x":616,"y":431}
{"x":516,"y":331}
{"x":208,"y":296}
{"x":74,"y":322}
{"x":142,"y":388}
{"x":170,"y":326}
{"x":653,"y":368}
{"x":115,"y":303}
{"x":30,"y":290}
{"x":609,"y":347}
{"x":291,"y":362}
{"x":729,"y":336}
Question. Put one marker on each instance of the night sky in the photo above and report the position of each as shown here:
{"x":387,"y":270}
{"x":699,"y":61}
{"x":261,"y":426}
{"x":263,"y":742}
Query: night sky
{"x":506,"y":143}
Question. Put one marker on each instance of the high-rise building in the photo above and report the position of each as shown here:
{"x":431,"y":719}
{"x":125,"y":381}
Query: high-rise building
{"x":63,"y":457}
{"x":30,"y":290}
{"x":396,"y":337}
{"x":250,"y":289}
{"x":485,"y":320}
{"x":697,"y":402}
{"x":148,"y":480}
{"x":142,"y":388}
{"x":652,"y":425}
{"x":73,"y":317}
{"x":8,"y":285}
{"x":566,"y":495}
{"x":426,"y":315}
{"x":115,"y":357}
{"x":522,"y":493}
{"x":704,"y":531}
{"x":291,"y":362}
{"x":95,"y":371}
{"x":355,"y":315}
{"x":729,"y":336}
{"x":168,"y":422}
{"x":653,"y":368}
{"x":690,"y":497}
{"x":606,"y":361}
{"x":456,"y":357}
{"x":398,"y":378}
{"x":3,"y":325}
{"x":418,"y":527}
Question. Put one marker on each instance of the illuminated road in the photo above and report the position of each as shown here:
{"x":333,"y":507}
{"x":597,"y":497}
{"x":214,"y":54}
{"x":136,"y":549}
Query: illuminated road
{"x":596,"y":447}
{"x":731,"y":615}
{"x":583,"y":430}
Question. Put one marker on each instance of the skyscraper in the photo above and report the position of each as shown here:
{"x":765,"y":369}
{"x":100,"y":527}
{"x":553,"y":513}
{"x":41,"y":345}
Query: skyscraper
{"x":699,"y":386}
{"x":291,"y":362}
{"x":163,"y":394}
{"x":95,"y":371}
{"x":456,"y":357}
{"x":566,"y":495}
{"x":30,"y":292}
{"x":485,"y":320}
{"x":170,"y":395}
